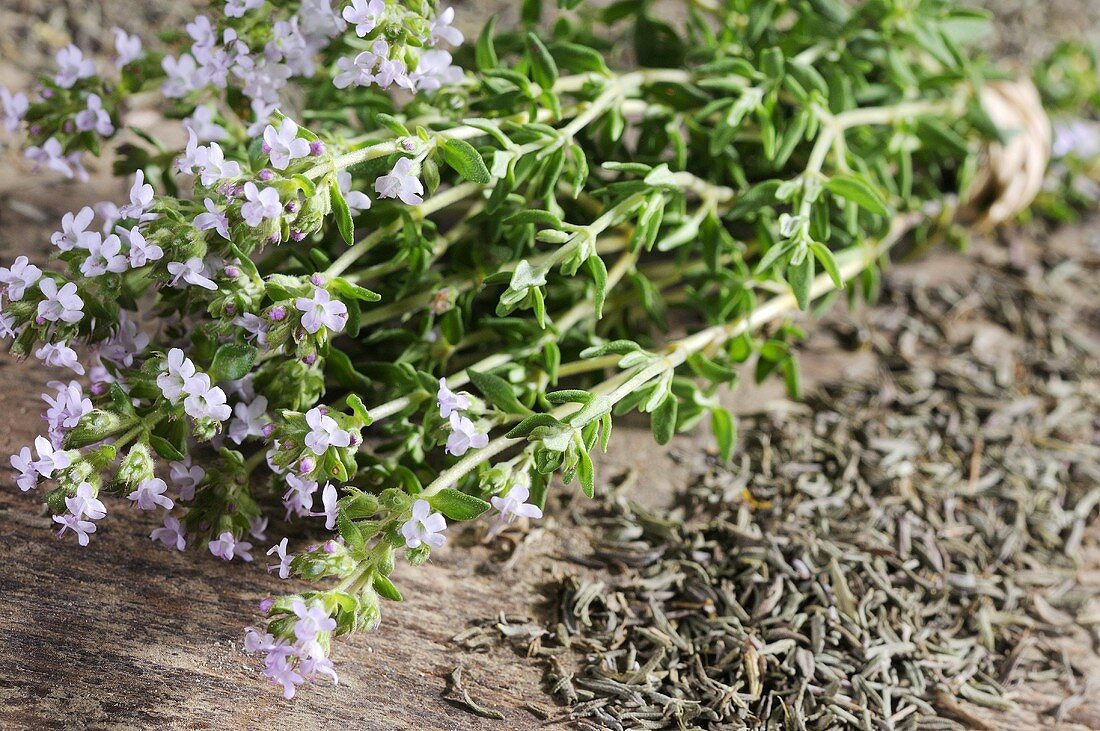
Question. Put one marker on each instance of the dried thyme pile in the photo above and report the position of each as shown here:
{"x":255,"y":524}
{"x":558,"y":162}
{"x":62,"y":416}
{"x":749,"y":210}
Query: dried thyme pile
{"x":895,"y":556}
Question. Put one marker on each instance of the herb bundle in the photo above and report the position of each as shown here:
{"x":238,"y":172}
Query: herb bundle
{"x":571,"y":221}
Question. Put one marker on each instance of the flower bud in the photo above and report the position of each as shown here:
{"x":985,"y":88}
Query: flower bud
{"x":277,"y":313}
{"x":265,"y":175}
{"x":316,"y":148}
{"x":307,"y":465}
{"x":137,"y":466}
{"x":95,"y":426}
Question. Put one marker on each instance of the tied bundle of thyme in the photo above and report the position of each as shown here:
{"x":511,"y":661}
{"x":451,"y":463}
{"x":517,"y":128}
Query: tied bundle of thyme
{"x":370,"y":215}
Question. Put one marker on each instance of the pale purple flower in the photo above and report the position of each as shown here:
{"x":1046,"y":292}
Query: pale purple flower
{"x":82,"y":528}
{"x":172,"y":535}
{"x":178,"y":371}
{"x":283,"y":672}
{"x":355,"y":71}
{"x":94,"y":117}
{"x":66,"y":407}
{"x":262,"y":204}
{"x":141,"y":251}
{"x":283,"y":567}
{"x":213,"y":219}
{"x":104,"y":255}
{"x":141,"y":197}
{"x":313,"y":620}
{"x":60,"y":355}
{"x":205,"y":401}
{"x":214,"y":165}
{"x":191,"y":271}
{"x":391,"y":71}
{"x":226,"y":547}
{"x":249,"y":420}
{"x":202,"y":123}
{"x":50,"y":460}
{"x":464,"y":436}
{"x":23,"y":463}
{"x":85,"y":504}
{"x":329,"y":499}
{"x":127,"y":48}
{"x":74,"y":233}
{"x":237,"y":8}
{"x":257,"y":528}
{"x":424,"y":527}
{"x":72,"y":66}
{"x":514,"y":505}
{"x":322,"y":311}
{"x":441,"y":29}
{"x":449,"y":401}
{"x":298,"y":499}
{"x":183,"y":76}
{"x":107,"y":211}
{"x":357,"y":201}
{"x":125,"y":342}
{"x":186,"y":477}
{"x":18,"y":277}
{"x":401,"y":183}
{"x":324,"y":432}
{"x":13,"y":107}
{"x":284,"y":145}
{"x":150,"y":493}
{"x":255,"y":326}
{"x":60,"y":304}
{"x":364,"y":15}
{"x":51,"y":156}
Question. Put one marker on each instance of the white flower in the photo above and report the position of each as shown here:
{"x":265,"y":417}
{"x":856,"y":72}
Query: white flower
{"x":441,"y":29}
{"x":202,"y":123}
{"x":257,"y":527}
{"x":141,"y":197}
{"x":401,"y":183}
{"x":74,"y":233}
{"x":355,"y":71}
{"x":108,"y":211}
{"x":329,"y":499}
{"x":66,"y":407}
{"x":17,"y":278}
{"x":60,"y":355}
{"x":104,"y":255}
{"x":262,"y":204}
{"x":183,"y":76}
{"x":94,"y":117}
{"x":322,"y":311}
{"x":364,"y":15}
{"x":464,"y":436}
{"x":324,"y":432}
{"x":255,"y":326}
{"x":13,"y":107}
{"x":214,"y":165}
{"x":141,"y":251}
{"x":60,"y":304}
{"x":84,"y":504}
{"x":434,"y":70}
{"x":171,"y":535}
{"x":249,"y":420}
{"x":312,"y":620}
{"x":449,"y":401}
{"x":150,"y":493}
{"x":284,"y":145}
{"x":186,"y":477}
{"x":283,"y":567}
{"x":72,"y":66}
{"x":357,"y":201}
{"x":128,"y":48}
{"x":424,"y":527}
{"x":178,"y":371}
{"x":205,"y":401}
{"x":191,"y":271}
{"x":226,"y":547}
{"x":82,"y":528}
{"x":213,"y":219}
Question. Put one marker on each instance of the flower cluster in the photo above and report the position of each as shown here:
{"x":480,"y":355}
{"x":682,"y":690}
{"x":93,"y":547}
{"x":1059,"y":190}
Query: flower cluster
{"x":355,"y":226}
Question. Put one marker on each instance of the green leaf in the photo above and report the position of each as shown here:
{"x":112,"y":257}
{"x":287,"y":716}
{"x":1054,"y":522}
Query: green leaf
{"x":232,"y":362}
{"x":586,"y":474}
{"x":347,"y":290}
{"x":458,"y":505}
{"x":801,"y":276}
{"x":349,"y":531}
{"x":544,"y":70}
{"x":599,"y":280}
{"x":356,"y":405}
{"x":663,"y":421}
{"x":498,"y":392}
{"x":386,"y":589}
{"x":725,"y":432}
{"x":466,"y":161}
{"x":164,"y":448}
{"x":828,"y":262}
{"x":485,"y":54}
{"x":859,"y":191}
{"x":531,"y":423}
{"x":343,"y":214}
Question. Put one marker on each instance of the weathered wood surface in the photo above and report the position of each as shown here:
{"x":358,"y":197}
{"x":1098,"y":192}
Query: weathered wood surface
{"x":123,"y":634}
